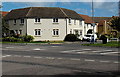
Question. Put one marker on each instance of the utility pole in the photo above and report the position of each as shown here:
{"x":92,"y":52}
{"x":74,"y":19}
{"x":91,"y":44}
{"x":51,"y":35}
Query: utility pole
{"x":119,"y":8}
{"x":93,"y":24}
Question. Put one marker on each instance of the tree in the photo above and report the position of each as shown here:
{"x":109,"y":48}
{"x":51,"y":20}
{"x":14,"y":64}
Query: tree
{"x":5,"y":27}
{"x":115,"y":23}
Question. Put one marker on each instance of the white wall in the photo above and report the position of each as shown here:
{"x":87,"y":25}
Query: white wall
{"x":47,"y":26}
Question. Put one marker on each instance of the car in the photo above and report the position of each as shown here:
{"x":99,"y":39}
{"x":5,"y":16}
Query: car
{"x":89,"y":37}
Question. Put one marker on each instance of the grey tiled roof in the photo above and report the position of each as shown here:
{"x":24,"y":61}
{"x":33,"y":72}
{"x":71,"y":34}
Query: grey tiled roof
{"x":42,"y":12}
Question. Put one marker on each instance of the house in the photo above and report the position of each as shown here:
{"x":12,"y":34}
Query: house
{"x":3,"y":13}
{"x":88,"y":26}
{"x":103,"y":26}
{"x":45,"y":23}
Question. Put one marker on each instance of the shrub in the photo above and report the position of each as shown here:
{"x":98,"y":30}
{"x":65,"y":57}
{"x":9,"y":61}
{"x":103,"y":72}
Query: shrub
{"x":28,"y":38}
{"x":102,"y":37}
{"x":71,"y":37}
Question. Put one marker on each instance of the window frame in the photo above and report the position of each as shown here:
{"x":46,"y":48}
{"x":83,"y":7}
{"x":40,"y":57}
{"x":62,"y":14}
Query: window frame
{"x":55,"y":32}
{"x":37,"y":32}
{"x":37,"y":20}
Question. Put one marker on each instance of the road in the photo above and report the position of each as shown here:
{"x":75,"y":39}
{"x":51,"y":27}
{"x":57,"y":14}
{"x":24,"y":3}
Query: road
{"x":58,"y":59}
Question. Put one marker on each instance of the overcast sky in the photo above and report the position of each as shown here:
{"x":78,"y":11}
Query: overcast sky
{"x":102,"y":8}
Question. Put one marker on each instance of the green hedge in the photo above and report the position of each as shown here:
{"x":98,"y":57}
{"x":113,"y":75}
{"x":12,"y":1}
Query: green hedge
{"x":71,"y":37}
{"x":27,"y":38}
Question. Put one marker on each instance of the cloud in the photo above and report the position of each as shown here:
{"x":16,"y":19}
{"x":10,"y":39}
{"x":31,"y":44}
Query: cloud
{"x":81,"y":11}
{"x":59,"y":0}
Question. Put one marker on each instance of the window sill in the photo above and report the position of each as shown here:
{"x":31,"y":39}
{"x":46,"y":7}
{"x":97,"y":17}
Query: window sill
{"x":37,"y":36}
{"x":37,"y":22}
{"x":55,"y":23}
{"x":55,"y":36}
{"x":21,"y":23}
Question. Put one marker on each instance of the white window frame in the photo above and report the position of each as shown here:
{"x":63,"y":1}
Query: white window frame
{"x":70,"y":21}
{"x":55,"y":32}
{"x":37,"y":20}
{"x":55,"y":20}
{"x":22,"y":21}
{"x":37,"y":32}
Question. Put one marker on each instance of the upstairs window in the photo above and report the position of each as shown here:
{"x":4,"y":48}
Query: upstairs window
{"x":22,"y":21}
{"x":55,"y":19}
{"x":80,"y":22}
{"x":14,"y":21}
{"x":37,"y":20}
{"x":69,"y":20}
{"x":75,"y":22}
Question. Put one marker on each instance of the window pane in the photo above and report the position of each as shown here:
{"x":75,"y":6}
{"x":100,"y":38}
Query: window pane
{"x":39,"y":32}
{"x":35,"y":19}
{"x":14,"y":20}
{"x":56,"y":19}
{"x":35,"y":31}
{"x":57,"y":33}
{"x":53,"y":19}
{"x":53,"y":31}
{"x":38,"y":19}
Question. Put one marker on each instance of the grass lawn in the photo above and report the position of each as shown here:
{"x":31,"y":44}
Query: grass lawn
{"x":109,"y":44}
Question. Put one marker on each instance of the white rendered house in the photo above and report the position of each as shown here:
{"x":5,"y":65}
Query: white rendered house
{"x":88,"y":25}
{"x":45,"y":23}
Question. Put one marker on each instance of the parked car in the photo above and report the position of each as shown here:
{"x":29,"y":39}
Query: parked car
{"x":89,"y":37}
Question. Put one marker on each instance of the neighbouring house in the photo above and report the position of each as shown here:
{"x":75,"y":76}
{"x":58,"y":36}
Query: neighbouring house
{"x":103,"y":28}
{"x":88,"y":26}
{"x":3,"y":13}
{"x":45,"y":23}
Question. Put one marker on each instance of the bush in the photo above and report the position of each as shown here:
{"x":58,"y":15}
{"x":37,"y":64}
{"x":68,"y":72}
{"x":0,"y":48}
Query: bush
{"x":28,"y":38}
{"x":71,"y":37}
{"x":102,"y":37}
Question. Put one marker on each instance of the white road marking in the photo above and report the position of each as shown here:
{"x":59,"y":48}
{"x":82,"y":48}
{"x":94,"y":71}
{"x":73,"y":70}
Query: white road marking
{"x":37,"y":57}
{"x":96,"y":51}
{"x":81,"y":52}
{"x":17,"y":56}
{"x":115,"y":62}
{"x":8,"y":55}
{"x":54,"y":46}
{"x":59,"y":58}
{"x":89,"y":60}
{"x":107,"y":50}
{"x":74,"y":59}
{"x":105,"y":61}
{"x":27,"y":56}
{"x":50,"y":57}
{"x":110,"y":53}
{"x":4,"y":56}
{"x":86,"y":49}
{"x":37,"y":49}
{"x":9,"y":47}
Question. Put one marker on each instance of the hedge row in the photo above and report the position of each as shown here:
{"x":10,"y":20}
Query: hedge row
{"x":24,"y":38}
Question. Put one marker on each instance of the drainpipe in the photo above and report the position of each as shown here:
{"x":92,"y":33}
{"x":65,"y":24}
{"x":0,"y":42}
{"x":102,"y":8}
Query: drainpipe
{"x":66,"y":26}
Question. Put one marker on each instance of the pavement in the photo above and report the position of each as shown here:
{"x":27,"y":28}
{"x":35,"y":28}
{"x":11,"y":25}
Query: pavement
{"x":59,"y":59}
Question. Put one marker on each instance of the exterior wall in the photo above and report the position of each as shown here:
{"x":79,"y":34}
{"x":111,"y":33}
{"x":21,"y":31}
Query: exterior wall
{"x":89,"y":26}
{"x":47,"y":26}
{"x":17,"y":26}
{"x":71,"y":27}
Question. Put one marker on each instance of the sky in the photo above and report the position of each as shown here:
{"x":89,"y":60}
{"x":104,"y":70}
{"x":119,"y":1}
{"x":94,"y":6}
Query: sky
{"x":101,"y":8}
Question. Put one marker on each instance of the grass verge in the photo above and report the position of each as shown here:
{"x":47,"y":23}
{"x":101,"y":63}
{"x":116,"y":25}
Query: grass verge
{"x":109,"y":44}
